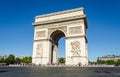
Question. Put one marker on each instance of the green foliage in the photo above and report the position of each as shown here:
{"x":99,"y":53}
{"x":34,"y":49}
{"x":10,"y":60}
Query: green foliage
{"x":91,"y":63}
{"x":62,"y":60}
{"x":110,"y":62}
{"x":118,"y":62}
{"x":10,"y":59}
{"x":18,"y":60}
{"x":27,"y":60}
{"x":2,"y":60}
{"x":101,"y":61}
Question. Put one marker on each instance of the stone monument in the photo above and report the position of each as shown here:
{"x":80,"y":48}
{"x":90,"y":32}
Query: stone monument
{"x":49,"y":28}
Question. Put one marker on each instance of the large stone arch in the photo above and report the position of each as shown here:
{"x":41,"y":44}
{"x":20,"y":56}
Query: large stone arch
{"x":56,"y":35}
{"x":50,"y":28}
{"x":54,"y":38}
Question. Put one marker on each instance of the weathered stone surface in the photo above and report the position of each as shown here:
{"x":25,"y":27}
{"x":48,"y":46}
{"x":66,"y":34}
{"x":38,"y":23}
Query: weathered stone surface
{"x":40,"y":34}
{"x":49,"y":28}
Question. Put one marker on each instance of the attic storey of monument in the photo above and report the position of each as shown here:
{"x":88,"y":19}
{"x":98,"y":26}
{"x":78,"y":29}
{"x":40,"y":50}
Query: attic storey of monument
{"x":49,"y":28}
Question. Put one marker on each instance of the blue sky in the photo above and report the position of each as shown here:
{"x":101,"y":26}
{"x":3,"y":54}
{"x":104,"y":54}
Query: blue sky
{"x":16,"y":30}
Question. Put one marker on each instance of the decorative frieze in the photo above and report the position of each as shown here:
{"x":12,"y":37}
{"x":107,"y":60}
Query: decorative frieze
{"x":59,"y":24}
{"x":40,"y":34}
{"x":51,"y":30}
{"x":75,"y":30}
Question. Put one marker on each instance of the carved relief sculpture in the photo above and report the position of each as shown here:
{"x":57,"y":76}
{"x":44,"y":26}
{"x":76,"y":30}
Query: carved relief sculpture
{"x":50,"y":30}
{"x":39,"y":50}
{"x":76,"y":48}
{"x":75,"y":30}
{"x":40,"y":34}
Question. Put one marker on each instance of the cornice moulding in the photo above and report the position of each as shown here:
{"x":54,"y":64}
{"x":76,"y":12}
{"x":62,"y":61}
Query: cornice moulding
{"x":59,"y":20}
{"x":61,"y":12}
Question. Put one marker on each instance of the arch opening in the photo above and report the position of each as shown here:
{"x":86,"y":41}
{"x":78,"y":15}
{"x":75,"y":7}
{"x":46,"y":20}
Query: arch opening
{"x":61,"y":51}
{"x":54,"y":38}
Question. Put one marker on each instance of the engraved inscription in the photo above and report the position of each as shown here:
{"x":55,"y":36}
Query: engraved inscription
{"x":75,"y":30}
{"x":40,"y":34}
{"x":75,"y":48}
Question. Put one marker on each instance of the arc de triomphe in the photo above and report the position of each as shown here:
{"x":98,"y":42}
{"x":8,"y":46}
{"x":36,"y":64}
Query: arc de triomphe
{"x":49,"y":28}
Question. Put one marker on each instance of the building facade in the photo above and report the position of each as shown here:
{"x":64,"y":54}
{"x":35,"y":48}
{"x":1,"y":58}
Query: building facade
{"x":3,"y":56}
{"x":109,"y":57}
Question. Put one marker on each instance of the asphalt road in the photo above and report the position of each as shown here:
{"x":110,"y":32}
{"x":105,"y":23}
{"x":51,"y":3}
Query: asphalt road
{"x":59,"y":71}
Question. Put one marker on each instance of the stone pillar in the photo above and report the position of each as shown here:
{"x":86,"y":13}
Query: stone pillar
{"x":76,"y":44}
{"x":55,"y":55}
{"x":41,"y":52}
{"x":76,"y":51}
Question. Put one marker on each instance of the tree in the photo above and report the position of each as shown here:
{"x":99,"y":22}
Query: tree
{"x":101,"y":61}
{"x":27,"y":60}
{"x":91,"y":63}
{"x":61,"y":60}
{"x":2,"y":60}
{"x":117,"y":63}
{"x":10,"y":59}
{"x":110,"y":62}
{"x":18,"y":60}
{"x":30,"y":59}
